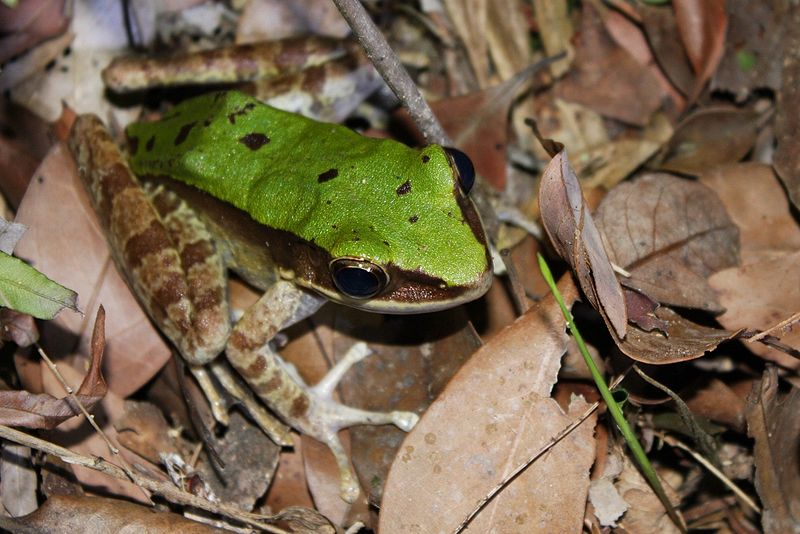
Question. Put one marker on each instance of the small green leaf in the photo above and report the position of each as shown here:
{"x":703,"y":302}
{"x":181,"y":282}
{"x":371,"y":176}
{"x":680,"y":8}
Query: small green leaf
{"x":24,"y":289}
{"x":747,"y":60}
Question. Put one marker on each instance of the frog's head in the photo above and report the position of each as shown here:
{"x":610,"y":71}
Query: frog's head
{"x":421,"y":248}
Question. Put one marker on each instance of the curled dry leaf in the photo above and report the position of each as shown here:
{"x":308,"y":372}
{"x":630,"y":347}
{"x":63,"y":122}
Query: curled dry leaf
{"x":787,"y":116}
{"x":773,"y":420}
{"x":570,"y":227}
{"x":21,"y":408}
{"x":493,"y":415}
{"x":710,"y":137}
{"x":670,"y":234}
{"x":685,"y":340}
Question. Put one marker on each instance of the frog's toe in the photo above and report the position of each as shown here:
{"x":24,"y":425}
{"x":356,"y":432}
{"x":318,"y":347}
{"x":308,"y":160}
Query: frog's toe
{"x":405,"y":420}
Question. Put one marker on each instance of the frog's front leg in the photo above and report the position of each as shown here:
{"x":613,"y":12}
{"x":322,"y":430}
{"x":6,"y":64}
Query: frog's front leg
{"x":311,"y":410}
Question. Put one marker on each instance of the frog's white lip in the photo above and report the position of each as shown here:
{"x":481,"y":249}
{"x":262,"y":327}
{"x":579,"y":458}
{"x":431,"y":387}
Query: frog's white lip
{"x":457,"y":295}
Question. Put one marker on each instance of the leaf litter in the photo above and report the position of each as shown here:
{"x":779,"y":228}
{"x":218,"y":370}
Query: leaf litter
{"x":676,"y":213}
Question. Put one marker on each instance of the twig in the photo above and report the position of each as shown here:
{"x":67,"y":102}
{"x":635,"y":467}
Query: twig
{"x":98,"y":338}
{"x":165,"y":489}
{"x":390,"y":68}
{"x":781,"y":325}
{"x":708,"y":465}
{"x":519,"y":469}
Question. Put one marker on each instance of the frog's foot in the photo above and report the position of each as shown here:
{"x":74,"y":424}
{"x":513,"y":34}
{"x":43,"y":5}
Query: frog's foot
{"x":325,"y":417}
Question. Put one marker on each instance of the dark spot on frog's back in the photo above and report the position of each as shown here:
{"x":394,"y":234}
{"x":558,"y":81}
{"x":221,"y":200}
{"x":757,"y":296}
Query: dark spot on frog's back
{"x":184,"y":132}
{"x":240,"y":112}
{"x":330,"y":174}
{"x":151,"y":143}
{"x":405,"y":188}
{"x":425,"y":158}
{"x":413,"y":219}
{"x":254,"y":141}
{"x":133,"y":144}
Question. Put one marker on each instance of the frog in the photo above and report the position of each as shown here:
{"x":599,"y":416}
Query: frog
{"x":307,"y":212}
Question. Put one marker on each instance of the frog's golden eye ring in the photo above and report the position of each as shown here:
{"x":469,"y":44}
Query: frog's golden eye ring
{"x":357,"y":278}
{"x":462,"y":165}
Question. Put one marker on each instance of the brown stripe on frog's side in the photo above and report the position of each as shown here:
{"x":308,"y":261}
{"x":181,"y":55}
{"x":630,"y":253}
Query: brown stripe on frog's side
{"x":239,"y":63}
{"x":136,"y":233}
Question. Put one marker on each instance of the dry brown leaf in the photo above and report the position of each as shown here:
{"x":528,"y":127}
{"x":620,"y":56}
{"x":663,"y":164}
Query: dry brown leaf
{"x":686,"y":340}
{"x":773,"y":420}
{"x":716,"y":401}
{"x":556,"y":31}
{"x":787,"y":119}
{"x":469,"y":19}
{"x":270,"y":20}
{"x":495,"y":413}
{"x":18,"y":480}
{"x":572,"y":231}
{"x":99,"y":514}
{"x":702,"y":26}
{"x":759,"y":295}
{"x":66,"y":243}
{"x":670,"y":234}
{"x":756,"y":202}
{"x":607,"y":79}
{"x":710,"y":137}
{"x":21,"y":408}
{"x":144,"y":430}
{"x":29,"y":23}
{"x":645,"y":513}
{"x":660,"y":25}
{"x":18,"y":327}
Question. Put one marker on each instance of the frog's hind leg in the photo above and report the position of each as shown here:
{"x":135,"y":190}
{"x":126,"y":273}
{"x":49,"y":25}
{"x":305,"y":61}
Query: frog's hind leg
{"x":311,"y":410}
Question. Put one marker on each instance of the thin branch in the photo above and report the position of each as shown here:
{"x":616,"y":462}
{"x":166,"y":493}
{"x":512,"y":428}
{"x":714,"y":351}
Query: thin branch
{"x":165,"y":489}
{"x":388,"y":65}
{"x":716,"y":472}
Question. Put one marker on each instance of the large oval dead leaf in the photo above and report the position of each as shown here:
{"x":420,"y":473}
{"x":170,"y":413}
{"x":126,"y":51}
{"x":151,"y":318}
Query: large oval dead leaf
{"x":710,"y":137}
{"x":494,"y":414}
{"x":569,"y":225}
{"x":670,"y":234}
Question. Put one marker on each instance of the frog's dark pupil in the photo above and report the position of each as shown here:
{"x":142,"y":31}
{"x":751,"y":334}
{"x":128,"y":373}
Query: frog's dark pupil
{"x":357,"y":279}
{"x":463,"y":167}
{"x":357,"y":283}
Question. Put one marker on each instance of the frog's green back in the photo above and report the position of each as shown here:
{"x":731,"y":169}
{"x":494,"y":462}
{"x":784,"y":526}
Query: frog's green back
{"x":349,"y":194}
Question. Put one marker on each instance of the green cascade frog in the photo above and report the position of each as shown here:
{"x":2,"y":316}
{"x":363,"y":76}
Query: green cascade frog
{"x":306,"y":211}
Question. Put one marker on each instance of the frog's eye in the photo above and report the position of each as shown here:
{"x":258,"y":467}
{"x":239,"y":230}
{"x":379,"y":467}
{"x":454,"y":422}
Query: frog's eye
{"x":358,"y":279}
{"x":465,"y":172}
